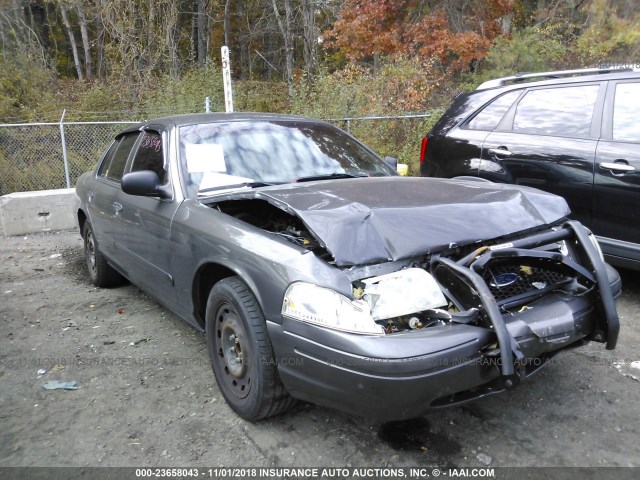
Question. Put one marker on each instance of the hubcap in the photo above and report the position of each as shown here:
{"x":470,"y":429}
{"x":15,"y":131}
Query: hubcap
{"x":231,"y":343}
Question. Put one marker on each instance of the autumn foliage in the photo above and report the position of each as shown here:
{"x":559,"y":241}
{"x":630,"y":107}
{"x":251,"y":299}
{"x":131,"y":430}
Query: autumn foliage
{"x":368,"y":28}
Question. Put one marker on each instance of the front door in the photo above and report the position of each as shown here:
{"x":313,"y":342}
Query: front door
{"x":144,"y":227}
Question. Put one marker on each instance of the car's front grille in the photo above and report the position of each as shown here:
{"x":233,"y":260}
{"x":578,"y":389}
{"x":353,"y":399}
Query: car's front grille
{"x":509,"y":280}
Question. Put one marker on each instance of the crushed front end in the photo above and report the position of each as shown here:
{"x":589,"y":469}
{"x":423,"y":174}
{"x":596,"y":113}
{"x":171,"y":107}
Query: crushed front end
{"x":449,"y":326}
{"x":539,"y":294}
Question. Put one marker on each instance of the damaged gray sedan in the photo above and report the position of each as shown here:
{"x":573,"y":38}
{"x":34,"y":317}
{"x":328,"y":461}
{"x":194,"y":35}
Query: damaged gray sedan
{"x":317,"y":273}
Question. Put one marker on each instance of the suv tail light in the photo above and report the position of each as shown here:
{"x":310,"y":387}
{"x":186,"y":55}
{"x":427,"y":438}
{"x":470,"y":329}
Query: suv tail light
{"x":423,"y":150}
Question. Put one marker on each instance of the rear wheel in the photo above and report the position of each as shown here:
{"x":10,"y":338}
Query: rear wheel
{"x":100,"y":272}
{"x":241,"y":354}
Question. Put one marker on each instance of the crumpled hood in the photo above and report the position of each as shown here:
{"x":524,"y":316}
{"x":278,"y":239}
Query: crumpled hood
{"x":371,"y":220}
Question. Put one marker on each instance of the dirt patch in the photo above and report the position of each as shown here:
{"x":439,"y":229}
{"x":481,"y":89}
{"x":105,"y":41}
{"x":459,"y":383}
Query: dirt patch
{"x":147,"y":395}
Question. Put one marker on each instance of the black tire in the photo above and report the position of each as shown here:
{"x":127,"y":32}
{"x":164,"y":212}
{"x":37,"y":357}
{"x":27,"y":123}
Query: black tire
{"x":100,"y":272}
{"x":241,"y":354}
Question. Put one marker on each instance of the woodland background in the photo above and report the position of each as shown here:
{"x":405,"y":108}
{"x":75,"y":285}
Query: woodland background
{"x":135,"y":59}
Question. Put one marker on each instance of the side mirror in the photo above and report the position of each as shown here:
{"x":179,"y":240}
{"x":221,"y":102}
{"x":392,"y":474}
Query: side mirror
{"x":391,"y":161}
{"x":144,"y":183}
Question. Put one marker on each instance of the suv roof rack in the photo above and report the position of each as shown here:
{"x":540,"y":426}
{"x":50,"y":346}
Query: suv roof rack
{"x":518,"y":77}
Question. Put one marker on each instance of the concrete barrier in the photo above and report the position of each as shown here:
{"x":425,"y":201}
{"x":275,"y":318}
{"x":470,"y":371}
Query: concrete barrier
{"x":34,"y":212}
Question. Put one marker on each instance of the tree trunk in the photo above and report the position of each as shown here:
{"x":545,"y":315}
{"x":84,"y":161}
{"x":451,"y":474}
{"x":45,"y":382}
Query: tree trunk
{"x":310,"y":36}
{"x":172,"y":35}
{"x":227,"y":23}
{"x":72,"y":40}
{"x":100,"y":55}
{"x":288,"y":46}
{"x":202,"y":33}
{"x":151,"y":42}
{"x":242,"y":42}
{"x":3,"y":39}
{"x":505,"y":23}
{"x":286,"y":35}
{"x":18,"y":26}
{"x":88,"y":60}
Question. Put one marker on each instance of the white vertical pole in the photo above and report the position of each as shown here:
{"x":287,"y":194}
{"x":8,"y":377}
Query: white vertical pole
{"x":64,"y":149}
{"x":226,"y":79}
{"x":207,"y":105}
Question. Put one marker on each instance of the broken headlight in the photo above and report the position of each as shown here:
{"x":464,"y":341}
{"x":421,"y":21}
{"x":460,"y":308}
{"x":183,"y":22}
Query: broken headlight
{"x":401,"y":293}
{"x":324,"y":307}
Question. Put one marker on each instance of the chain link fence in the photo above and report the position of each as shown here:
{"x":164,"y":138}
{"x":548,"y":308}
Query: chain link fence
{"x":47,"y":156}
{"x":44,"y":156}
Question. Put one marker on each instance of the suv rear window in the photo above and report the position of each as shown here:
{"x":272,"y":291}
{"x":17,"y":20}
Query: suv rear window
{"x":625,"y":112}
{"x":490,"y":116}
{"x":565,"y":111}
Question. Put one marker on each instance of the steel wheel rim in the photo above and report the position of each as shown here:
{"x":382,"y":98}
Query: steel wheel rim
{"x":90,"y":252}
{"x":231,"y":351}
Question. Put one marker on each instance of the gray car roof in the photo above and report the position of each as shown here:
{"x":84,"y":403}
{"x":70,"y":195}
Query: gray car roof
{"x":192,"y":118}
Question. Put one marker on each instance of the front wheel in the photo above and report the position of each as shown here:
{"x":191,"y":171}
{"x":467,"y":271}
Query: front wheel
{"x":241,"y":354}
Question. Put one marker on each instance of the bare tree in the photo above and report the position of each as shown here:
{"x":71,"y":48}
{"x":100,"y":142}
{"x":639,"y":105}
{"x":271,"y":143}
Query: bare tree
{"x":202,"y":32}
{"x":285,"y":30}
{"x":17,"y":35}
{"x":310,"y":36}
{"x":72,"y":39}
{"x":84,"y":32}
{"x":171,"y":26}
{"x":151,"y":33}
{"x":227,"y":22}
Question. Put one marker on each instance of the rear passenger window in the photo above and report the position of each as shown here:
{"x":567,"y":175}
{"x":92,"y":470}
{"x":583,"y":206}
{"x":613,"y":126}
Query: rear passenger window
{"x":115,"y":168}
{"x":149,"y":156}
{"x":104,"y":166}
{"x":625,"y":112}
{"x":491,"y":115}
{"x":565,"y":111}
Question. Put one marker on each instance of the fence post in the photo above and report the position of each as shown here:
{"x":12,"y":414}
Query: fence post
{"x":64,"y":149}
{"x":349,"y":126}
{"x":207,"y":105}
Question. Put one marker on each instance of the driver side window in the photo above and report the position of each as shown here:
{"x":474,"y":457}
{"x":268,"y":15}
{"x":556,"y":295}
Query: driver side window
{"x":150,"y":156}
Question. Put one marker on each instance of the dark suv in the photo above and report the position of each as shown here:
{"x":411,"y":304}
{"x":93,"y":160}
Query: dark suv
{"x":575,"y":133}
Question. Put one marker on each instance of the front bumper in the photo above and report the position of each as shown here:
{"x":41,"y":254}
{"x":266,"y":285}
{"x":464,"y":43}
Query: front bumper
{"x":404,"y":375}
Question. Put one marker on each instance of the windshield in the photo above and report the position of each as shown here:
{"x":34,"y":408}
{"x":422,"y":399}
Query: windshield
{"x":217,"y":156}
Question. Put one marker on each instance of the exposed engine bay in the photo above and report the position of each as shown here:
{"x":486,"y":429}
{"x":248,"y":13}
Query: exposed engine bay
{"x":262,"y":214}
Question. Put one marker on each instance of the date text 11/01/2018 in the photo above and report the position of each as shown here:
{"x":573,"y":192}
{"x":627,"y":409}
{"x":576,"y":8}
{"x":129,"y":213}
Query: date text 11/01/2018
{"x":313,"y":472}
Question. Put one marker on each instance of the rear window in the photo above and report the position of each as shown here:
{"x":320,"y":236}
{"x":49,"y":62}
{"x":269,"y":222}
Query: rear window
{"x":490,"y":116}
{"x":565,"y":111}
{"x":461,"y":108}
{"x":625,"y":112}
{"x":113,"y":167}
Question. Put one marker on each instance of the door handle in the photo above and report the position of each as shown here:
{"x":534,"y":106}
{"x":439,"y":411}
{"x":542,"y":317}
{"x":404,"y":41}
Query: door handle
{"x":617,"y":167}
{"x":500,"y":151}
{"x":117,"y":207}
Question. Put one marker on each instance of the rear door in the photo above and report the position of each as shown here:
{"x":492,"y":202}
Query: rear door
{"x":102,"y":199}
{"x":616,"y":200}
{"x":548,"y":141}
{"x":458,"y":152}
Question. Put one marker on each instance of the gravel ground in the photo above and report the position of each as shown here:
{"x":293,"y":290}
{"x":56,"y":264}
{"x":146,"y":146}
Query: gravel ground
{"x":147,"y":395}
